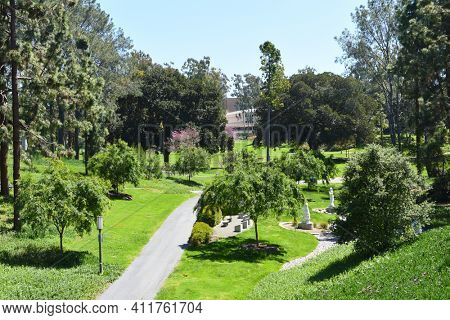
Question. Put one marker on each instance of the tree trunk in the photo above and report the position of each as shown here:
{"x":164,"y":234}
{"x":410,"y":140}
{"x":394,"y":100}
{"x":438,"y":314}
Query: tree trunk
{"x":86,"y":153}
{"x":392,"y":128}
{"x":76,"y":143}
{"x":61,"y":251}
{"x":418,"y":130}
{"x":15,"y":112}
{"x":166,"y":154}
{"x":381,"y":129}
{"x":256,"y":232}
{"x":268,"y":134}
{"x":4,"y":169}
{"x":61,"y":130}
{"x":391,"y":113}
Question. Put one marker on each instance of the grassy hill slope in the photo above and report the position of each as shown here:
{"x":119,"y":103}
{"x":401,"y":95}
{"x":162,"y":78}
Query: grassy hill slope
{"x":417,"y":270}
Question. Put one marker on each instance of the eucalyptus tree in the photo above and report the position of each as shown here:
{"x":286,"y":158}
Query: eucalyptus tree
{"x":275,"y":84}
{"x":370,"y":54}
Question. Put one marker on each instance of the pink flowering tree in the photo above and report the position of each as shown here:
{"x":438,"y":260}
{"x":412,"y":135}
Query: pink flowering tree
{"x":184,"y":138}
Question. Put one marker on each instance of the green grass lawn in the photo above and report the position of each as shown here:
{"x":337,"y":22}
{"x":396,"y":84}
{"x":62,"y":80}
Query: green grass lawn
{"x":33,"y":269}
{"x":418,"y":270}
{"x":225,"y":270}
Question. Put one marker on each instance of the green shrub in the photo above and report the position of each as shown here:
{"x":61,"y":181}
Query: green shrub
{"x":211,"y":215}
{"x":379,"y":200}
{"x":201,"y":234}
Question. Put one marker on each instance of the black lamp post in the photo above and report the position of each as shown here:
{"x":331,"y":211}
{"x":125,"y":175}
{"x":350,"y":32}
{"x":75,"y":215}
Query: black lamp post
{"x":100,"y":240}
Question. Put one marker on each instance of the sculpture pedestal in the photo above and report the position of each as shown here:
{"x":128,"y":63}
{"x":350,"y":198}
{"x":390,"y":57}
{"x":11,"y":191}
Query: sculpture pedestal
{"x":306,"y":225}
{"x":330,"y":209}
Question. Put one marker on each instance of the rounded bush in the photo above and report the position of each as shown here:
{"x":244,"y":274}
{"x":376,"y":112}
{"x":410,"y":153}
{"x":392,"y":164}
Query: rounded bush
{"x":201,"y":234}
{"x":380,"y":200}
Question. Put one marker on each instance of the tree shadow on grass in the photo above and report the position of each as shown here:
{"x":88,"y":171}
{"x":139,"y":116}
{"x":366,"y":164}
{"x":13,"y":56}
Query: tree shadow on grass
{"x":185,"y":182}
{"x":232,"y":249}
{"x":34,"y":256}
{"x":349,"y":262}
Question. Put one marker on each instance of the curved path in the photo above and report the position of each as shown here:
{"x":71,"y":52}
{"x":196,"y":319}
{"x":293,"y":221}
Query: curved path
{"x":146,"y":274}
{"x":326,"y":241}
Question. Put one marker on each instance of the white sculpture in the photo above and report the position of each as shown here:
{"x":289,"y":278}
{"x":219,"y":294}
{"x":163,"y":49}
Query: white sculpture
{"x":306,"y":213}
{"x":306,"y":223}
{"x":331,"y":206}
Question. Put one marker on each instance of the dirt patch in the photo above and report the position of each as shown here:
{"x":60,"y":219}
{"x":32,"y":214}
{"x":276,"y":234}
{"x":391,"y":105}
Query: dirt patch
{"x":261,"y":247}
{"x":290,"y":226}
{"x":119,"y":195}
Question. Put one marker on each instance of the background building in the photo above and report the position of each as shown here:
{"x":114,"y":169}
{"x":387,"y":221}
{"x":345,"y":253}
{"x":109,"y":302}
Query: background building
{"x":242,"y":121}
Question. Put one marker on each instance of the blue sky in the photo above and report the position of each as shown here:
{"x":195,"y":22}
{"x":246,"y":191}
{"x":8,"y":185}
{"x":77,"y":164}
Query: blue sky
{"x":231,"y":31}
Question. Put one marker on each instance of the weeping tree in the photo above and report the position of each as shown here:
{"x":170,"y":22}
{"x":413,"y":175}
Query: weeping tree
{"x":259,"y":191}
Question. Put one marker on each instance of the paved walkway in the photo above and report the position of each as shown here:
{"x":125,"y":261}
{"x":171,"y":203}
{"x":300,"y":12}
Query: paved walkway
{"x":220,"y":231}
{"x":146,"y":274}
{"x":332,"y":180}
{"x":326,"y":241}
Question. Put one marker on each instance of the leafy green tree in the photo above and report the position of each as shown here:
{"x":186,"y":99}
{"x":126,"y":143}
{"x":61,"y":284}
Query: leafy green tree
{"x":151,"y":165}
{"x":191,"y":161}
{"x":302,"y":165}
{"x":330,"y":168}
{"x":380,"y":200}
{"x":370,"y":54}
{"x":258,"y":192}
{"x":202,"y":102}
{"x":325,"y":110}
{"x":435,"y":159}
{"x":240,"y":159}
{"x":118,"y":164}
{"x":61,"y":199}
{"x":274,"y":84}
